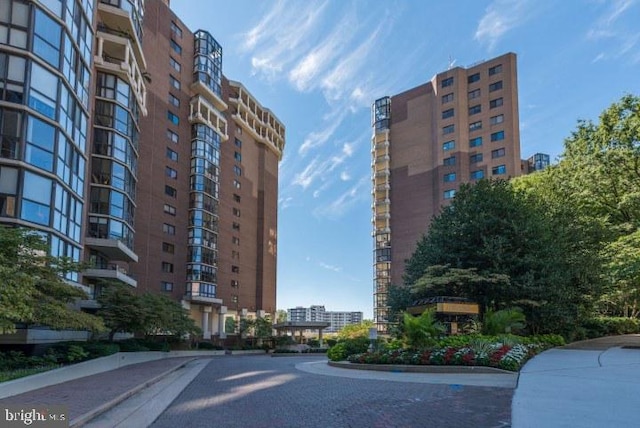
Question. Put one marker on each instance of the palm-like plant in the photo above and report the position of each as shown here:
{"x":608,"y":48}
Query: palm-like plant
{"x":507,"y":321}
{"x":422,"y":331}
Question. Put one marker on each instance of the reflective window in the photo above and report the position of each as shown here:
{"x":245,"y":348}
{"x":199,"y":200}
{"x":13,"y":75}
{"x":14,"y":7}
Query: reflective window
{"x":46,"y":40}
{"x":36,"y":198}
{"x":43,"y":94}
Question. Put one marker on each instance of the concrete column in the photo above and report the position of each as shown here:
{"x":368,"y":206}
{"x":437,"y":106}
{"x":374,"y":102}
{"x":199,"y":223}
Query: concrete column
{"x":206,"y":332}
{"x":221,"y":313}
{"x":320,"y":336}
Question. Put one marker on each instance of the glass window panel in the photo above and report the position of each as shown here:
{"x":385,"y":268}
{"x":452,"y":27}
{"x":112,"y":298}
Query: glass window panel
{"x":41,"y":133}
{"x":8,"y":180}
{"x":20,"y":14}
{"x":38,"y":157}
{"x":37,"y":188}
{"x":17,"y":67}
{"x":44,"y":81}
{"x":34,"y":212}
{"x":18,"y":38}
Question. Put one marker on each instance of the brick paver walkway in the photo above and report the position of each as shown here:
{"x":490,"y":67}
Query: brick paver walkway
{"x":88,"y":393}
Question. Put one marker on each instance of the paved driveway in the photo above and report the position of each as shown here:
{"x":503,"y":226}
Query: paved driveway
{"x":261,"y":391}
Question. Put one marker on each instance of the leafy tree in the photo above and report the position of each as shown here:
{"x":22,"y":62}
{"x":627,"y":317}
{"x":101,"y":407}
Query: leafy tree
{"x":352,"y":331}
{"x":165,"y":316}
{"x":399,"y":298}
{"x":502,"y":246}
{"x":504,"y":321}
{"x":121,"y":309}
{"x":281,"y":316}
{"x":32,"y":288}
{"x":230,"y":325}
{"x":263,"y":327}
{"x":420,"y":332}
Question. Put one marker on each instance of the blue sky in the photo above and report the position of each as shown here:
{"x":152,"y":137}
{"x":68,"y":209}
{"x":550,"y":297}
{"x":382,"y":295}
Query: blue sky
{"x":318,"y":65}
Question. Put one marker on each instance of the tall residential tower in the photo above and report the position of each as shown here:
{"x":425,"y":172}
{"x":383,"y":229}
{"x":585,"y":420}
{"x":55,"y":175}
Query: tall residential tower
{"x":460,"y":127}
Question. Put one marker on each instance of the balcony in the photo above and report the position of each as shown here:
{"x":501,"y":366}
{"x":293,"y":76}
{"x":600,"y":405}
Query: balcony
{"x":260,"y":122}
{"x":201,"y":293}
{"x":110,"y":271}
{"x":115,"y":54}
{"x":200,"y":88}
{"x":119,"y":21}
{"x":112,"y":248}
{"x":201,"y":111}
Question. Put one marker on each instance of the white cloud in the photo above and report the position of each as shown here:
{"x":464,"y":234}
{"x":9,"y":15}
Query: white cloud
{"x":285,"y":203}
{"x":345,"y":202}
{"x":500,"y":17}
{"x":344,"y":176}
{"x":611,"y":28}
{"x":330,"y":267}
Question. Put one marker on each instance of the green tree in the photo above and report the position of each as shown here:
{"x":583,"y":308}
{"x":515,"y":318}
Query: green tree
{"x":229,"y":325}
{"x":165,"y":316}
{"x":263,"y":327}
{"x":281,"y":316}
{"x":352,"y":331}
{"x":502,"y":247}
{"x":32,"y":288}
{"x":121,"y":309}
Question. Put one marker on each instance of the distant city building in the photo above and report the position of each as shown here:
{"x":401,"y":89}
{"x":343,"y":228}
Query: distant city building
{"x":460,"y":127}
{"x":318,"y":313}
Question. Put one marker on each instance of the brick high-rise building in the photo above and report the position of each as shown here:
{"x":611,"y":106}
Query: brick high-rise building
{"x":126,"y":146}
{"x":459,"y":127}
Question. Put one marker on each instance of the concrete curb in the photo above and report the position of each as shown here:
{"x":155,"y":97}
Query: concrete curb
{"x":83,"y":419}
{"x":402,"y":368}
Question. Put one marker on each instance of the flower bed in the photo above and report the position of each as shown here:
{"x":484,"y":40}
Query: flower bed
{"x":502,"y":355}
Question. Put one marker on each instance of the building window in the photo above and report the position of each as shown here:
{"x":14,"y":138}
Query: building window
{"x":495,"y":69}
{"x":498,"y":153}
{"x":169,"y":209}
{"x":497,"y":119}
{"x":449,"y":145}
{"x":477,"y":175}
{"x":168,"y":248}
{"x":174,"y":101}
{"x":475,"y":126}
{"x":236,"y":184}
{"x":172,"y":136}
{"x":167,"y":286}
{"x":235,"y":226}
{"x":237,"y":170}
{"x":495,"y":86}
{"x":473,"y":78}
{"x":235,"y":254}
{"x":497,"y":136}
{"x":235,"y":269}
{"x":451,"y":160}
{"x":449,"y":194}
{"x":475,"y":109}
{"x":475,"y":158}
{"x":447,"y":98}
{"x":170,"y":191}
{"x":447,"y":178}
{"x":495,"y":103}
{"x":447,"y":82}
{"x":237,"y":156}
{"x":499,"y":170}
{"x":236,"y":197}
{"x":175,"y":64}
{"x":171,"y":154}
{"x":448,"y":130}
{"x":238,"y":143}
{"x":235,"y":283}
{"x":475,"y":142}
{"x":167,"y":267}
{"x":175,"y":30}
{"x":235,"y":240}
{"x":173,"y":118}
{"x":234,"y":298}
{"x":169,"y":229}
{"x":447,"y":113}
{"x":175,"y":83}
{"x":474,"y":94}
{"x":170,"y":172}
{"x":236,"y":212}
{"x":176,"y":47}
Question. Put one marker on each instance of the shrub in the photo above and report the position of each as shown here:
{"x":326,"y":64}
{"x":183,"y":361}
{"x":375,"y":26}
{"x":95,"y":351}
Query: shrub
{"x":503,"y":321}
{"x":100,"y":349}
{"x":605,"y":326}
{"x":338,"y":352}
{"x":331,"y":342}
{"x":207,"y":345}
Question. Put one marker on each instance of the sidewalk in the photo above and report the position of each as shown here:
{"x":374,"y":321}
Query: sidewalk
{"x":88,"y":396}
{"x":590,"y":384}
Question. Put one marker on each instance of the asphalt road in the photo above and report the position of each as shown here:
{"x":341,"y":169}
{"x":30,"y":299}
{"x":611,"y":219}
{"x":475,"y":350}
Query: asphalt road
{"x":261,"y":391}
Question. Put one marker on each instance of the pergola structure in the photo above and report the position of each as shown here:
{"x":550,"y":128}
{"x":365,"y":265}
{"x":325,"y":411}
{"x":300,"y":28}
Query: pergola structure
{"x":300,"y":327}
